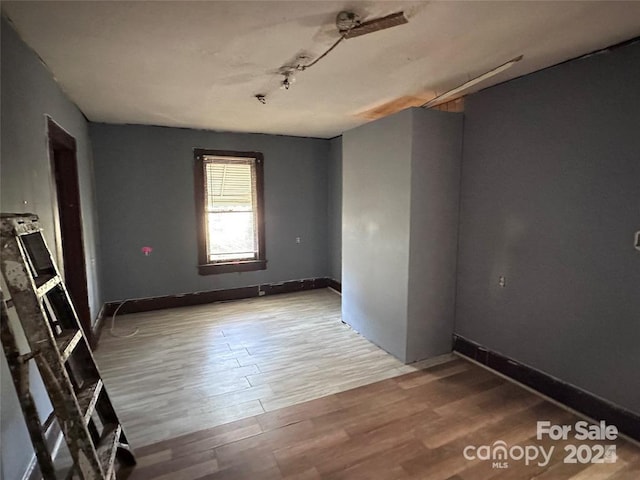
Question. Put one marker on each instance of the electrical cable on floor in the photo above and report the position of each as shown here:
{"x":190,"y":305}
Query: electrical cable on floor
{"x":113,"y":324}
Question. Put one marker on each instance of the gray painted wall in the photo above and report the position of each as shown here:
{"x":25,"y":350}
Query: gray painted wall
{"x":401,"y":179}
{"x":433,"y":248}
{"x":335,"y":208}
{"x":28,"y":93}
{"x":376,"y":201}
{"x":145,"y":192}
{"x":551,"y":199}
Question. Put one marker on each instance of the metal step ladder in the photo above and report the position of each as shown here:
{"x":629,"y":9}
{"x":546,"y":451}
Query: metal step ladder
{"x":57,"y":344}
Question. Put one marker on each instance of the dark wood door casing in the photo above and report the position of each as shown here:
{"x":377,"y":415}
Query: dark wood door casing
{"x":62,"y":152}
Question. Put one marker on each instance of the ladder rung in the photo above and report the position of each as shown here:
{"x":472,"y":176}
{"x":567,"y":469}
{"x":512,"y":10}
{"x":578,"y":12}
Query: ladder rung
{"x":67,"y":342}
{"x":26,"y":226}
{"x":49,"y":421}
{"x":87,"y":398}
{"x":107,"y":448}
{"x":48,"y":286}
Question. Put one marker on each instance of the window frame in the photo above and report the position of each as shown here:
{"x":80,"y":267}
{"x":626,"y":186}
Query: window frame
{"x":206,"y":267}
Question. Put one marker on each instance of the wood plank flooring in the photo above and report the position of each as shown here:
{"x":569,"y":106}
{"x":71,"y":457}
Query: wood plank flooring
{"x":193,"y":368}
{"x":415,"y":426}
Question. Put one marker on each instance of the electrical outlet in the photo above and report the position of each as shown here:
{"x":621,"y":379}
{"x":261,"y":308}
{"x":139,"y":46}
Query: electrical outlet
{"x":502,"y":281}
{"x":298,"y":240}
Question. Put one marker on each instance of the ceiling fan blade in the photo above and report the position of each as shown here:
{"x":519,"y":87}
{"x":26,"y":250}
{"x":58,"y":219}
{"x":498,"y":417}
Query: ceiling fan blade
{"x":377,"y":24}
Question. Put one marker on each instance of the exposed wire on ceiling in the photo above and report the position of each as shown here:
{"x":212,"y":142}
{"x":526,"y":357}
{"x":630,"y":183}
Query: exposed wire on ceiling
{"x":302,"y":68}
{"x":349,"y":26}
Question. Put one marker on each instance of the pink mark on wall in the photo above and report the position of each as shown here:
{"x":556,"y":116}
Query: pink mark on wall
{"x":147,"y":251}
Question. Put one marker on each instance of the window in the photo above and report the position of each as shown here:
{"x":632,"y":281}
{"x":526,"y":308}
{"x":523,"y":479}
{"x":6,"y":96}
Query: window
{"x":229,"y":207}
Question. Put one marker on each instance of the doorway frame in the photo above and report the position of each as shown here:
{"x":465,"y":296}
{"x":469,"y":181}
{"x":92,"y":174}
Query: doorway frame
{"x":69,"y":236}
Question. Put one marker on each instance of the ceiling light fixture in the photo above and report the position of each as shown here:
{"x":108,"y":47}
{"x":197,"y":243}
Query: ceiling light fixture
{"x":374,"y":25}
{"x":349,"y":26}
{"x":288,"y":80}
{"x":450,"y":93}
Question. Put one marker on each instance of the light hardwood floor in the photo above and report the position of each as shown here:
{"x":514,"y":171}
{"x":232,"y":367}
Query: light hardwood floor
{"x":412,"y":427}
{"x":193,"y":368}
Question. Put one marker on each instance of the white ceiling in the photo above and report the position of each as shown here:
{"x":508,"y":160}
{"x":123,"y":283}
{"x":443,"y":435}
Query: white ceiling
{"x":200,"y":64}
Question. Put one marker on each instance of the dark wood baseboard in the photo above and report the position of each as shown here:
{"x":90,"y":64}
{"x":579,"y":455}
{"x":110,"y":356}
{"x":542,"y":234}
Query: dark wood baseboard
{"x":179,"y":300}
{"x":336,"y":285}
{"x":199,"y":298}
{"x":293,"y":286}
{"x":573,"y":397}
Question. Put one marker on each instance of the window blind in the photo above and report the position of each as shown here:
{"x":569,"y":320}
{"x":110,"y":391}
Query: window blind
{"x":230,"y":184}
